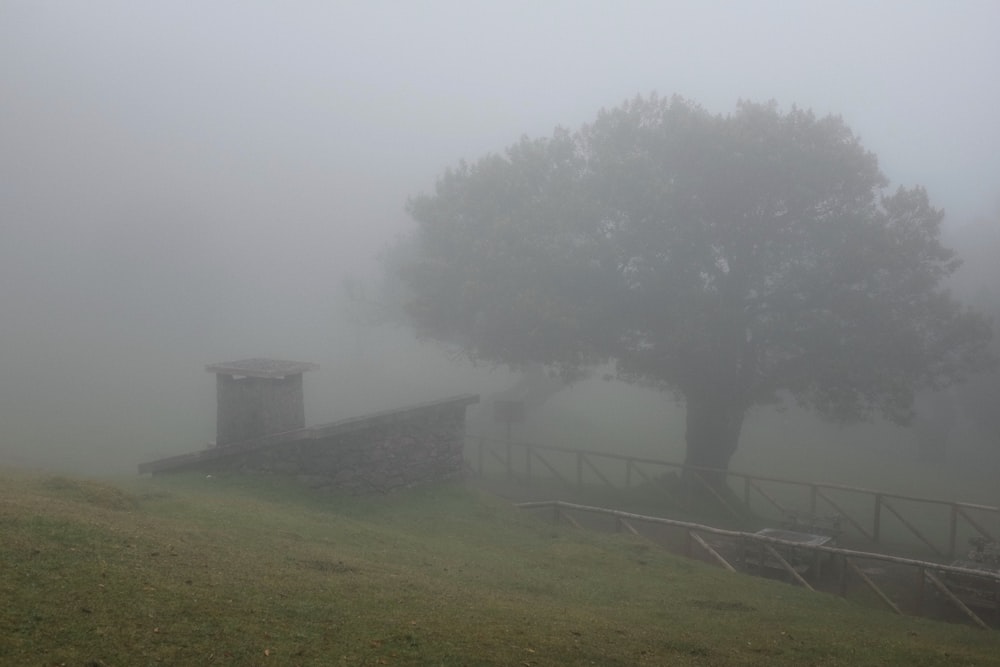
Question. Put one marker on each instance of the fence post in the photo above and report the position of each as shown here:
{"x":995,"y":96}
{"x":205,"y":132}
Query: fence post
{"x":877,"y":521}
{"x":953,"y":531}
{"x":480,"y":452}
{"x":527,"y":464}
{"x":921,"y":583}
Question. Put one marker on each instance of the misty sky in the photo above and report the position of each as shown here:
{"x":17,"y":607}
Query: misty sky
{"x":188,"y":182}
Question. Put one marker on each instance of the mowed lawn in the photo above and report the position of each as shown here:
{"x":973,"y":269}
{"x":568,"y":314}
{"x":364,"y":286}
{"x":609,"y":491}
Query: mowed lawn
{"x":190,"y":570}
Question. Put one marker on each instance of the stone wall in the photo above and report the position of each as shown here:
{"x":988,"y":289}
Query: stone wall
{"x":373,"y":453}
{"x":249,"y":407}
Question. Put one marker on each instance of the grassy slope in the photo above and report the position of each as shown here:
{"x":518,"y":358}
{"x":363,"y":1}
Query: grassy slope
{"x":237,"y":571}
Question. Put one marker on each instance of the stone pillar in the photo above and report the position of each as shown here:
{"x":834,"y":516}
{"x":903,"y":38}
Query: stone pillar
{"x":258,"y":397}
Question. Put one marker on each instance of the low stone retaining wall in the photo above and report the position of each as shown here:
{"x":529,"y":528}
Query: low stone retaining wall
{"x":373,"y":453}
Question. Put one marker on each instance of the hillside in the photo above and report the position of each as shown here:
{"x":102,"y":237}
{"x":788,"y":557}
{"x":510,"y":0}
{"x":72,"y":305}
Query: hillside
{"x":191,"y":570}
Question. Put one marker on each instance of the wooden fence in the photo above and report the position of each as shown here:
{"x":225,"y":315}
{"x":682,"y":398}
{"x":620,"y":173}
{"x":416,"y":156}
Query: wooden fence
{"x":865,"y":513}
{"x":929,"y":572}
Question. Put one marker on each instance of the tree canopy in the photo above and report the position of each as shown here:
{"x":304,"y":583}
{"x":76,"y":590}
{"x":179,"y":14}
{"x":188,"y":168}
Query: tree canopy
{"x":732,"y":259}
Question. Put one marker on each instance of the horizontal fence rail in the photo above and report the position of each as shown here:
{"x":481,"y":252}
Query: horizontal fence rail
{"x":928,"y":571}
{"x":869,"y":514}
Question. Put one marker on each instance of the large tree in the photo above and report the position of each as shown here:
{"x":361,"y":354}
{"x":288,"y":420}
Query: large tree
{"x":733,"y":260}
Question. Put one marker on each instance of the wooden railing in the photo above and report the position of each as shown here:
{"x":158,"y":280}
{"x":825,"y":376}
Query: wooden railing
{"x":862,"y":512}
{"x":931,"y":572}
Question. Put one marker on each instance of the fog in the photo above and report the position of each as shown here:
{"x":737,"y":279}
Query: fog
{"x":185,"y":183}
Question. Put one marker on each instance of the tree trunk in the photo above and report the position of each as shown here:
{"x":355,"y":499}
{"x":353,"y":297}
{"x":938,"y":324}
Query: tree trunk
{"x":713,"y":432}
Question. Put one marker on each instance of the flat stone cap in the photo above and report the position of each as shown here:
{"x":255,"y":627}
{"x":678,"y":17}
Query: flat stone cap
{"x":261,"y":368}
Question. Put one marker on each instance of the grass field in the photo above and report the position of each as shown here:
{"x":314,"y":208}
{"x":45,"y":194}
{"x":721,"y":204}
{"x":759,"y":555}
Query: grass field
{"x":190,"y":570}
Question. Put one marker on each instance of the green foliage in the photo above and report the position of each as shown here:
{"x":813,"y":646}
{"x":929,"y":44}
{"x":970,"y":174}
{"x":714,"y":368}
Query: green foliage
{"x":732,"y":259}
{"x":205,"y":571}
